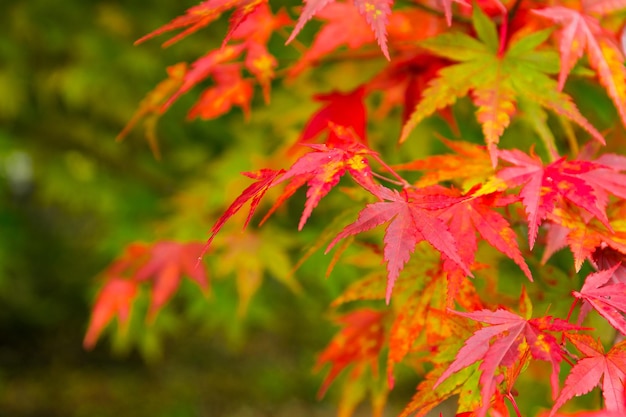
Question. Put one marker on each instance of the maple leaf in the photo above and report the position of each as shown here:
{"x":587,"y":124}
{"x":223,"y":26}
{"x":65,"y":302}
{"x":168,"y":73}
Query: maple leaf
{"x":115,"y":299}
{"x":203,"y":14}
{"x":403,"y":80}
{"x":470,"y":164}
{"x":162,"y":263}
{"x":513,"y":335}
{"x":584,"y":236}
{"x":375,"y":12}
{"x":583,"y":32}
{"x":497,"y":80}
{"x":341,"y":109}
{"x":322,"y":169}
{"x":588,"y":371}
{"x":229,"y":89}
{"x":203,"y":68}
{"x":345,"y":25}
{"x":584,"y":183}
{"x":150,"y":108}
{"x":607,"y":299}
{"x":411,"y":220}
{"x":477,"y":215}
{"x":358,"y":344}
{"x":166,"y":262}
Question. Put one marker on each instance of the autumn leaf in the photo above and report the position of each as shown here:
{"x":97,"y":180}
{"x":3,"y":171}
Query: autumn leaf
{"x":162,"y":264}
{"x":609,"y":300}
{"x":584,"y":236}
{"x":477,"y":215}
{"x":322,"y":169}
{"x":204,"y":67}
{"x":593,"y":367}
{"x":202,"y":15}
{"x":469,"y":165}
{"x":580,"y":182}
{"x":115,"y":299}
{"x":375,"y":12}
{"x":165,"y":265}
{"x":229,"y":90}
{"x":513,"y":336}
{"x":497,"y":80}
{"x":357,"y":344}
{"x":340,"y":109}
{"x":410,"y":221}
{"x":582,"y":32}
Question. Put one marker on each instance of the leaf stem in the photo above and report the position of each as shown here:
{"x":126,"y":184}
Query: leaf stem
{"x":513,"y":403}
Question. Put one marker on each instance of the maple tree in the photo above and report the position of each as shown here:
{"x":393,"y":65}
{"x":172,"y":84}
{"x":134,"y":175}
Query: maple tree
{"x":534,"y":168}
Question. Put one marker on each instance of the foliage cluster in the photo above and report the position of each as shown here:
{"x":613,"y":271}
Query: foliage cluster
{"x":473,"y":293}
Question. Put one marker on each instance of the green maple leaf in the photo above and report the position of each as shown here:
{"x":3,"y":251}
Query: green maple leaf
{"x":496,"y":80}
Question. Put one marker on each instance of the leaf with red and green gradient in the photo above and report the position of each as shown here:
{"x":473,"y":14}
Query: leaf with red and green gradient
{"x":151,"y":107}
{"x":265,"y":179}
{"x":412,"y":219}
{"x":496,"y":80}
{"x":464,"y":383}
{"x":477,"y":215}
{"x":202,"y":15}
{"x":513,"y":336}
{"x":322,"y":169}
{"x":582,"y":32}
{"x":583,"y":183}
{"x":341,"y":109}
{"x":115,"y":299}
{"x":375,"y":12}
{"x":596,"y":365}
{"x":469,"y":165}
{"x":609,"y":300}
{"x":358,"y":344}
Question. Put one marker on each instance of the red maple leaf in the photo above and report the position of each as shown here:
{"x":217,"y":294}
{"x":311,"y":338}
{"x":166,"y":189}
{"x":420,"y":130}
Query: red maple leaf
{"x":358,"y":344}
{"x":510,"y":332}
{"x":411,"y":220}
{"x":166,"y":262}
{"x":588,"y":371}
{"x":477,"y":215}
{"x":342,"y":109}
{"x":162,"y":264}
{"x":322,"y":169}
{"x":607,"y":299}
{"x":584,"y":183}
{"x":115,"y":299}
{"x":203,"y":14}
{"x":229,"y":90}
{"x":583,"y":32}
{"x":345,"y":26}
{"x":375,"y":12}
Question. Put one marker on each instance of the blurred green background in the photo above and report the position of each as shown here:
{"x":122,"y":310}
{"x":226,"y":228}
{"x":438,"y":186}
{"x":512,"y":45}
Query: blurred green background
{"x":72,"y":198}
